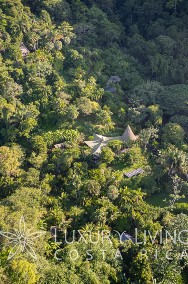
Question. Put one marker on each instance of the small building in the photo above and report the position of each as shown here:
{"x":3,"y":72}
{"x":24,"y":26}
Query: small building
{"x":113,"y":80}
{"x":126,"y":237}
{"x":101,"y":141}
{"x":24,"y":50}
{"x":134,"y":173}
{"x":128,"y":135}
{"x":59,"y":146}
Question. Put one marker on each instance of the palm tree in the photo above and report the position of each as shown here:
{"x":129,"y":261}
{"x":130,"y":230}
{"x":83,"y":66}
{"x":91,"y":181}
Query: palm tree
{"x":174,"y":160}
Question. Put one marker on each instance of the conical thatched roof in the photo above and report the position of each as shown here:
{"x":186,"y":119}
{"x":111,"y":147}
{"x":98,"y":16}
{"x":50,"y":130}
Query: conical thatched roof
{"x":128,"y":135}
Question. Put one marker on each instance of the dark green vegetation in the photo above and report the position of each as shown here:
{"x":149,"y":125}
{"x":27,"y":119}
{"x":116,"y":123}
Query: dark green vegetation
{"x":56,"y":94}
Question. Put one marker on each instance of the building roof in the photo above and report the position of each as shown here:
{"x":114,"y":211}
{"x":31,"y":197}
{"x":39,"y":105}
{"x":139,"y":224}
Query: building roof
{"x":128,"y":135}
{"x":134,"y":172}
{"x":24,"y":50}
{"x":126,"y":237}
{"x":113,"y":80}
{"x":100,"y":141}
{"x":59,"y":146}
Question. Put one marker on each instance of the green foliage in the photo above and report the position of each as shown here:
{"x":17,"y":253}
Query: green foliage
{"x":173,"y":133}
{"x":56,"y":95}
{"x":168,"y":100}
{"x":52,"y":137}
{"x":107,"y":155}
{"x":24,"y":272}
{"x":10,"y":161}
{"x":147,"y":135}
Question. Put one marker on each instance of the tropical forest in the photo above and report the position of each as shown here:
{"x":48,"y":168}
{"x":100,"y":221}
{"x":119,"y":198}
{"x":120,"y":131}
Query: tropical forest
{"x":93,"y":141}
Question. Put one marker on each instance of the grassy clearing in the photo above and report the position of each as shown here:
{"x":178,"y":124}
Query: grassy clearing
{"x":161,"y":199}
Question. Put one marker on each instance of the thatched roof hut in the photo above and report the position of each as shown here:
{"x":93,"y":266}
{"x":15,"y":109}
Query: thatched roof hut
{"x":100,"y":141}
{"x":128,"y":135}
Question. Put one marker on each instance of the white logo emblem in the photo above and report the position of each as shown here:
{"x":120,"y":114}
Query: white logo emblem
{"x":21,"y":240}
